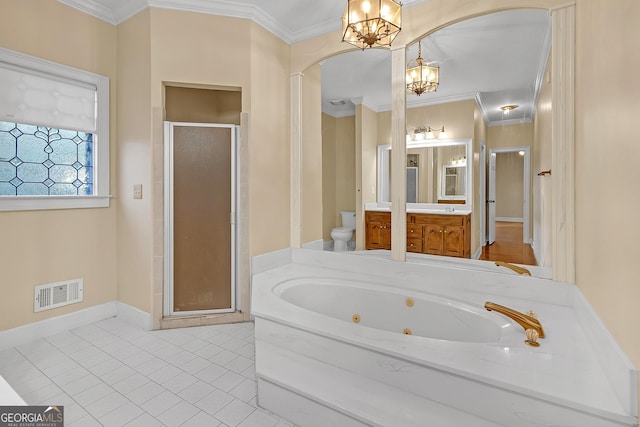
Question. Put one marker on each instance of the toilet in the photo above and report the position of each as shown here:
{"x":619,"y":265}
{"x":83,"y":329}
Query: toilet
{"x":342,"y":235}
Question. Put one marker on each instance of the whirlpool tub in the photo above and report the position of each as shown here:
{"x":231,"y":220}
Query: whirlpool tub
{"x":347,"y":340}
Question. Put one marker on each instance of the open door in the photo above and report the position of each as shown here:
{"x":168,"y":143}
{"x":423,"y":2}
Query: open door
{"x":491,"y":201}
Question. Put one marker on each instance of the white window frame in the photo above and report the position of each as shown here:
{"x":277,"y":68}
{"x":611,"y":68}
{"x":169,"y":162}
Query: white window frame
{"x":101,"y":192}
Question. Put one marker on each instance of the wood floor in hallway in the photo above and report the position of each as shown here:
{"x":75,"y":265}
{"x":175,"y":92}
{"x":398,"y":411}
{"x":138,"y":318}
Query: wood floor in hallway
{"x":509,"y":246}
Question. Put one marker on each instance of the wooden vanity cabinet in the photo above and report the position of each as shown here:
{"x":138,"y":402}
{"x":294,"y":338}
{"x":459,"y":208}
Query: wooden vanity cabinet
{"x":433,"y":234}
{"x":378,"y":230}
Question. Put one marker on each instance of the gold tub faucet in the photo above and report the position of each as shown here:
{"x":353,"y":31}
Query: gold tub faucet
{"x":527,"y":321}
{"x":517,"y":269}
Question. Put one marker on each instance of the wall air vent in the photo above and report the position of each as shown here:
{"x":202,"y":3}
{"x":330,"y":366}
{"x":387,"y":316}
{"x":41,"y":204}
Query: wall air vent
{"x":337,"y":102}
{"x":54,"y":295}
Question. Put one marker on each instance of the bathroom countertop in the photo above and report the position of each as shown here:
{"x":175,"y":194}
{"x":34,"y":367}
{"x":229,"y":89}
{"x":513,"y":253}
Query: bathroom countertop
{"x":568,"y":368}
{"x":423,"y":211}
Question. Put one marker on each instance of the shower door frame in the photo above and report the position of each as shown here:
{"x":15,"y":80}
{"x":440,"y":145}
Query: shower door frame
{"x":168,"y":288}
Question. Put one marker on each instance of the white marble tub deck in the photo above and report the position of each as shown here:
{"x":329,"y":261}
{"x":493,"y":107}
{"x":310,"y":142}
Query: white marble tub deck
{"x":578,"y":365}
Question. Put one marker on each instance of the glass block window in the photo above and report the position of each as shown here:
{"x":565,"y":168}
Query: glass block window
{"x":54,"y":135}
{"x":44,"y":161}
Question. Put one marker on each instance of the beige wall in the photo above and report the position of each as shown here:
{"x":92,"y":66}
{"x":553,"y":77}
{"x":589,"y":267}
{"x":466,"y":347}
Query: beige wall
{"x":268,"y":141}
{"x":338,"y":170}
{"x":457,"y":118}
{"x":509,"y":182}
{"x":328,"y":175}
{"x":41,"y":247}
{"x":513,"y":135}
{"x":345,"y":165}
{"x":312,"y":155}
{"x":134,"y":161}
{"x":184,"y":51}
{"x":607,"y":175}
{"x":176,"y":42}
{"x":366,"y":152}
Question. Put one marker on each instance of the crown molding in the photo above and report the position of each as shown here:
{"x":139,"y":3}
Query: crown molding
{"x":92,"y":8}
{"x":126,"y":9}
{"x":227,"y":8}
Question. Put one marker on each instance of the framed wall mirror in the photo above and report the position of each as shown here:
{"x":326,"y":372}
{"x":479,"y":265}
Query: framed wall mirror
{"x":439,"y":172}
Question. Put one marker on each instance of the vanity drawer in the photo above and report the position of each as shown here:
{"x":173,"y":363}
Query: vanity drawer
{"x":414,"y":245}
{"x":373,"y":216}
{"x":414,"y":231}
{"x":439,"y":219}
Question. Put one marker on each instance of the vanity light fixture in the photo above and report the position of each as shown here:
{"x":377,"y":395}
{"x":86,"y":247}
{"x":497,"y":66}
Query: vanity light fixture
{"x":369,"y":23}
{"x":422,"y":77}
{"x":507,"y":108}
{"x":427,"y":132}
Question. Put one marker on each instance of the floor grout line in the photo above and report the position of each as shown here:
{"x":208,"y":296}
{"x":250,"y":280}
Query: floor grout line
{"x":119,"y":348}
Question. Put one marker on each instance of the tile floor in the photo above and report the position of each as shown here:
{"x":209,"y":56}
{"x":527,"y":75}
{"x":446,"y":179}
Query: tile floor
{"x":113,"y":374}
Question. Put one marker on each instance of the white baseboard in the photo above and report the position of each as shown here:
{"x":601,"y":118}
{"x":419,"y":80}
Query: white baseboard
{"x":316,"y":244}
{"x":509,"y":219}
{"x":56,"y":325}
{"x":134,"y":316}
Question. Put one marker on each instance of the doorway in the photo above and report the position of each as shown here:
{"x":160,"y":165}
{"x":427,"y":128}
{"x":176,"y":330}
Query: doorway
{"x":523,"y":152}
{"x":200,"y":226}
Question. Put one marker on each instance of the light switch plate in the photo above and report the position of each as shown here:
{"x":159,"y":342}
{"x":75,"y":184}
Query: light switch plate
{"x":137,"y":191}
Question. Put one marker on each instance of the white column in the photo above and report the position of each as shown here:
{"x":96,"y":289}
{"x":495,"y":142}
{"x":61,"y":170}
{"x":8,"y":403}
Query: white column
{"x":563,"y":143}
{"x":296,"y":160}
{"x":398,"y":155}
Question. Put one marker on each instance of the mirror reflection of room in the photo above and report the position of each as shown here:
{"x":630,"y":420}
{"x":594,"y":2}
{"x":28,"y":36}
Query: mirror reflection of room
{"x":441,"y":177}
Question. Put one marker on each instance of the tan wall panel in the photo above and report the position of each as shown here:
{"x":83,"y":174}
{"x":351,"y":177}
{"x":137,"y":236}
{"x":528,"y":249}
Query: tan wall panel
{"x":345,"y":166}
{"x":311,"y":155}
{"x":607,"y":174}
{"x":509,"y":182}
{"x":328,"y":175}
{"x":49,"y":246}
{"x":269,"y":142}
{"x":135,"y":232}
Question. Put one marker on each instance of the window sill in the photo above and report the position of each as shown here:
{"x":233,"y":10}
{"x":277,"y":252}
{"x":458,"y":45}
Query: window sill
{"x":31,"y":203}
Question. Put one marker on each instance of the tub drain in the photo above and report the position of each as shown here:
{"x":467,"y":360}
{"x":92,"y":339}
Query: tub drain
{"x":407,"y":331}
{"x":355,"y":318}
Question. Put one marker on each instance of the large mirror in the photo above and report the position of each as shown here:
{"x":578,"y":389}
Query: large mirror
{"x":437,"y":172}
{"x":486,"y":62}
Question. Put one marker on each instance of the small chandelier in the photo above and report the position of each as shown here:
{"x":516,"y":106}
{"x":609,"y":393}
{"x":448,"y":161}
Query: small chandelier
{"x":422,"y":77}
{"x":368,"y":23}
{"x":506,"y":108}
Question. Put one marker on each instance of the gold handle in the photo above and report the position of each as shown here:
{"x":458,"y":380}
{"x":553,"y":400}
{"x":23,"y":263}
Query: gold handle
{"x":519,"y":270}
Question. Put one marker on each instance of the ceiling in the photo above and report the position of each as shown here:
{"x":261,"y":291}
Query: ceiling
{"x":497,"y":59}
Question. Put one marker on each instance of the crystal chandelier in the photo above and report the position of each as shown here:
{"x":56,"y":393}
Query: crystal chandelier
{"x":368,"y":23}
{"x":422,"y":77}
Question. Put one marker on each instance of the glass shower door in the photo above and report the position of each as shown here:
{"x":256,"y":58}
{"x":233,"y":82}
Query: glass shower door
{"x":200,"y":251}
